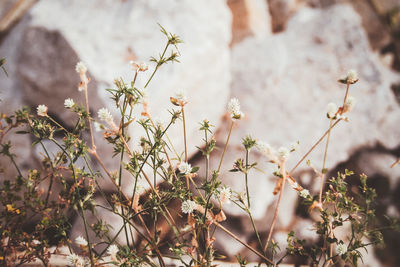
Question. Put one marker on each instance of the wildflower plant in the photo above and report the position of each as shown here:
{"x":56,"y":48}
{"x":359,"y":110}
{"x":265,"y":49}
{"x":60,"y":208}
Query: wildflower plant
{"x":173,"y":219}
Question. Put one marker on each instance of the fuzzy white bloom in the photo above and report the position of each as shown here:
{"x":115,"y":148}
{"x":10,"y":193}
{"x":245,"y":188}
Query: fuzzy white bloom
{"x":294,"y":146}
{"x":341,"y":249}
{"x":81,"y":68}
{"x":349,"y":104}
{"x":224,"y":194}
{"x":80,"y":241}
{"x":263,"y":148}
{"x":283,"y":153}
{"x":75,"y":260}
{"x":140,"y":189}
{"x":36,"y":242}
{"x":185,"y":168}
{"x":234,"y":109}
{"x":352,"y":76}
{"x":42,"y":110}
{"x":97,"y":126}
{"x":188,"y":206}
{"x":304,"y":193}
{"x":69,"y":103}
{"x":105,"y":115}
{"x":112,"y":250}
{"x":139,"y":66}
{"x":332,"y":109}
{"x":181,"y":96}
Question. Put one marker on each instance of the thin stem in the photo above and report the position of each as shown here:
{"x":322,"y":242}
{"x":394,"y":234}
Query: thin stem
{"x":245,"y":176}
{"x":284,"y":174}
{"x":85,"y":89}
{"x":158,"y":65}
{"x":243,"y":243}
{"x":313,"y":147}
{"x":184,"y":132}
{"x":324,"y":162}
{"x":226,"y":145}
{"x":59,"y":125}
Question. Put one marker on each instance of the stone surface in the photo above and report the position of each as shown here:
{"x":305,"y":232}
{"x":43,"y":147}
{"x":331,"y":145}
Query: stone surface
{"x":284,"y":84}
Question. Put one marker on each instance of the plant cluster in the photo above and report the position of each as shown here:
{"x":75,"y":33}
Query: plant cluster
{"x":66,"y":184}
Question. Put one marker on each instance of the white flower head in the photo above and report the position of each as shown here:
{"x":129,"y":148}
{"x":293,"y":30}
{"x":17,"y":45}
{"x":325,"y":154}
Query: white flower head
{"x":36,"y":242}
{"x":80,"y":241}
{"x":234,"y":109}
{"x":224,"y":194}
{"x":294,"y":146}
{"x":341,"y":249}
{"x":98,"y":126}
{"x":283,"y":153}
{"x":69,"y":103}
{"x":352,"y":76}
{"x":81,"y":68}
{"x":349,"y":104}
{"x":185,"y":168}
{"x":181,"y":95}
{"x":332,"y":110}
{"x":42,"y":110}
{"x":75,"y":260}
{"x":304,"y":193}
{"x":105,"y":115}
{"x":263,"y":148}
{"x":112,"y":250}
{"x":188,"y":206}
{"x":141,"y":66}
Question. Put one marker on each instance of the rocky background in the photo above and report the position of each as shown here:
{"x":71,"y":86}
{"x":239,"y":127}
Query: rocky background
{"x":280,"y":58}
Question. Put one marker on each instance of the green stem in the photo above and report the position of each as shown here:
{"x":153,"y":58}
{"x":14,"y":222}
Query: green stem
{"x":158,"y":64}
{"x":226,"y":145}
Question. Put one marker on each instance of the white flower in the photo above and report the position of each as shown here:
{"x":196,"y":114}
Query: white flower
{"x":332,"y":109}
{"x":112,"y":250}
{"x":97,"y":126}
{"x":283,"y":153}
{"x":224,"y":194}
{"x":75,"y":260}
{"x":139,"y":66}
{"x":304,"y":193}
{"x":181,"y":96}
{"x":36,"y":242}
{"x":188,"y":206}
{"x":69,"y":103}
{"x":185,"y":168}
{"x":341,"y":248}
{"x":294,"y":146}
{"x":234,"y":109}
{"x":263,"y":148}
{"x":105,"y":115}
{"x":352,"y":76}
{"x":81,"y":241}
{"x":80,"y":68}
{"x":42,"y":110}
{"x":349,"y":104}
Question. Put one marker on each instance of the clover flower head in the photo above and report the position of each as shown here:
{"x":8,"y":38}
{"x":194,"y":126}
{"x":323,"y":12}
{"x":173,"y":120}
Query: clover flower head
{"x":352,"y":76}
{"x":185,"y":168}
{"x":81,"y":241}
{"x":332,"y":110}
{"x":112,"y":250}
{"x":141,"y":66}
{"x":264,"y":148}
{"x":105,"y":115}
{"x":69,"y":103}
{"x":349,"y":104}
{"x":283,"y":153}
{"x":234,"y":109}
{"x":304,"y":193}
{"x":75,"y":260}
{"x":188,"y":206}
{"x":81,"y":68}
{"x":224,"y":194}
{"x":341,"y":249}
{"x":42,"y":110}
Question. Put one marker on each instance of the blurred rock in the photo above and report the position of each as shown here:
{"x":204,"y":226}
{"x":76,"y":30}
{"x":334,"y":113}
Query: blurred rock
{"x":284,"y":84}
{"x":249,"y":18}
